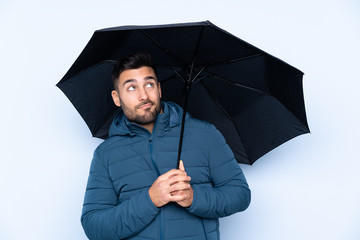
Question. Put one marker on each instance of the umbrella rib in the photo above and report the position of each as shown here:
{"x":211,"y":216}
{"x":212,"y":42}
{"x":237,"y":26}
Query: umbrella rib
{"x":191,"y":70}
{"x":235,"y":83}
{"x":223,"y":109}
{"x":235,"y":60}
{"x":193,"y":80}
{"x":195,"y":52}
{"x":92,"y":66}
{"x":177,"y":73}
{"x":198,"y":42}
{"x":171,"y":77}
{"x":200,"y":78}
{"x":167,"y":51}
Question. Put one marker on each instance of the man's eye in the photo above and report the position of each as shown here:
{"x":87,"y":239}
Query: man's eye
{"x":131,"y":88}
{"x":150,"y":85}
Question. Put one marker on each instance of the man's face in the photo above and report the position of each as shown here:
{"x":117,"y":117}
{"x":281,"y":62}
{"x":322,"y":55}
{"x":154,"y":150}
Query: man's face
{"x":138,"y":95}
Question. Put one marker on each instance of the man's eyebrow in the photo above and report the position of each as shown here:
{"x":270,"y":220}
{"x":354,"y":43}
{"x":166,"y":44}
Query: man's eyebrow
{"x":128,"y":81}
{"x":134,"y":80}
{"x":150,"y":77}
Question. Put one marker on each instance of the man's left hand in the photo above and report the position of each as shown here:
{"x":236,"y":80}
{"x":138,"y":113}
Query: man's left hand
{"x":187,"y":194}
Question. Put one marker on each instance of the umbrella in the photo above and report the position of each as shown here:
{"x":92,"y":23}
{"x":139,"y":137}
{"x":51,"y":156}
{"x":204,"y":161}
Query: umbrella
{"x":254,"y":99}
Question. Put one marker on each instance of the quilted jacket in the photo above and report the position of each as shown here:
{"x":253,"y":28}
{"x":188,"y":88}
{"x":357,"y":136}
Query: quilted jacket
{"x":117,"y":203}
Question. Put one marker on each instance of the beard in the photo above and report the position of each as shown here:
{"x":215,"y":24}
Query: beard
{"x":148,"y":117}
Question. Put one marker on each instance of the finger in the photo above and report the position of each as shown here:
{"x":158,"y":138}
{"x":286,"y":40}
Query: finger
{"x":178,"y":179}
{"x":178,"y":197}
{"x":172,"y":173}
{"x":176,"y":193}
{"x":182,"y":186}
{"x":181,"y":166}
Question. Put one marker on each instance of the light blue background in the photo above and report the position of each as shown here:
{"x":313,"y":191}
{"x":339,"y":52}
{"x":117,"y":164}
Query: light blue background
{"x":307,"y":188}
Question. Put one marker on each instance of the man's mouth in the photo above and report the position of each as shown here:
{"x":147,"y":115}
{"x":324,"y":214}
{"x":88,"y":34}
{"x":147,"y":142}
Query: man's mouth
{"x":145,"y":105}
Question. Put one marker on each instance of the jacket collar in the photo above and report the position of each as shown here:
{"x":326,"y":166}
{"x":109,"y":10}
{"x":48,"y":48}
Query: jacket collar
{"x":171,"y":117}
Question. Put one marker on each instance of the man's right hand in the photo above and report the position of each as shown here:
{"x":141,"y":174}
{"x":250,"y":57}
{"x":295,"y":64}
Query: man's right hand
{"x":173,"y":180}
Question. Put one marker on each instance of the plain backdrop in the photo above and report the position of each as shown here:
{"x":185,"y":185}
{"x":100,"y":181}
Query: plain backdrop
{"x":308,"y":188}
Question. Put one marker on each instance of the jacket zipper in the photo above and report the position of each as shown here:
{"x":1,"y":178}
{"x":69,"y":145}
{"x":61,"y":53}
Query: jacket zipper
{"x":152,"y":155}
{"x":158,"y":173}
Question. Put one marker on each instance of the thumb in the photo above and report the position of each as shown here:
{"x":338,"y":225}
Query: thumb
{"x":181,"y":166}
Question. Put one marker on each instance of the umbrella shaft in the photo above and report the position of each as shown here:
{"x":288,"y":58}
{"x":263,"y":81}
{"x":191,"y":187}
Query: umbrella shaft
{"x":186,"y":94}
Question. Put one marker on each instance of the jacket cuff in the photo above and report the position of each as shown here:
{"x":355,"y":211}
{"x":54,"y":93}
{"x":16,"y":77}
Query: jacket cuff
{"x":147,"y":202}
{"x":198,"y":199}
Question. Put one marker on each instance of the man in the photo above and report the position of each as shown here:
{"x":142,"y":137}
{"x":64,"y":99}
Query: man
{"x":134,"y":190}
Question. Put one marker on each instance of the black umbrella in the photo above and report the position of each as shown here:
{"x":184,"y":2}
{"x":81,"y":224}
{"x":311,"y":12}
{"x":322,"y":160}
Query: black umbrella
{"x":253,"y":98}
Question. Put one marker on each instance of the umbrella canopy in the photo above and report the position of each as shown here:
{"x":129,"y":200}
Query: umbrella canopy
{"x":254,"y":99}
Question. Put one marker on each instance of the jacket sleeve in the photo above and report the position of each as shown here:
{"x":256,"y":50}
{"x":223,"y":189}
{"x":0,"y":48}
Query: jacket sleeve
{"x":229,"y":192}
{"x":103,"y":217}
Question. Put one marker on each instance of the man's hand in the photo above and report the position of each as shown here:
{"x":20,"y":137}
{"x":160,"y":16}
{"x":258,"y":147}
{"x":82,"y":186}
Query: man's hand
{"x":170,"y":187}
{"x":187,"y":194}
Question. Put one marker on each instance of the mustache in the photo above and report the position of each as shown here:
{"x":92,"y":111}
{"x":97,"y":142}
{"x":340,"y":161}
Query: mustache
{"x":144,"y":103}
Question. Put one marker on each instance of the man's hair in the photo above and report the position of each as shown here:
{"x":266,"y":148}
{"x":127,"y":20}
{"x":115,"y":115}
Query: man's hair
{"x":132,"y":61}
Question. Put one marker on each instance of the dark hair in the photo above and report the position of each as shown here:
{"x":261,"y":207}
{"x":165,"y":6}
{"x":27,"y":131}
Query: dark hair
{"x":132,"y":61}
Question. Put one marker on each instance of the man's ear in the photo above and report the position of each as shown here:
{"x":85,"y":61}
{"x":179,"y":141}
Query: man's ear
{"x":115,"y":97}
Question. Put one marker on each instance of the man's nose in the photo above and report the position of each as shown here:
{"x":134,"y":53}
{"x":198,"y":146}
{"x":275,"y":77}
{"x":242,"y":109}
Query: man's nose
{"x":143,"y":95}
